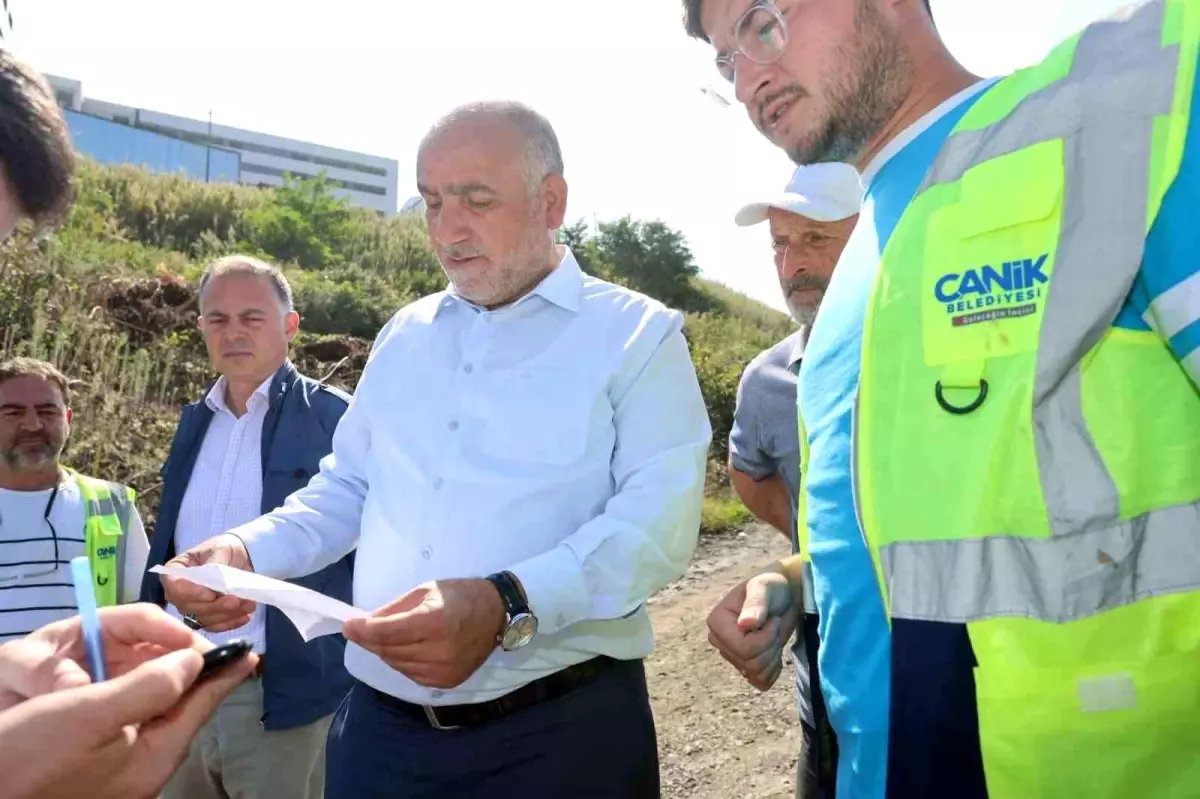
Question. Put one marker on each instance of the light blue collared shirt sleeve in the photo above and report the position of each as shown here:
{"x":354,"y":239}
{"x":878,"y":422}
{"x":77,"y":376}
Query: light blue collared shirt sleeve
{"x":647,"y":532}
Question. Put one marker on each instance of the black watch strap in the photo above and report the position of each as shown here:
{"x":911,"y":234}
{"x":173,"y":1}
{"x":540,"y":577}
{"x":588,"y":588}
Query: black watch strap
{"x":510,"y":593}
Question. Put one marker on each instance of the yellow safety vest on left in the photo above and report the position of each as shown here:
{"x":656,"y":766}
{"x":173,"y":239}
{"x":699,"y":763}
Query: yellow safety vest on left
{"x":108,"y":510}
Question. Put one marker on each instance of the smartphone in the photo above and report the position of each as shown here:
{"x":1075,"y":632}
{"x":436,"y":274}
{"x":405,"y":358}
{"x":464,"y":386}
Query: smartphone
{"x":219,"y":657}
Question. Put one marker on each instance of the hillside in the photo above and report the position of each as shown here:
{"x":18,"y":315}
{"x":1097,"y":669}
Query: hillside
{"x":111,"y":300}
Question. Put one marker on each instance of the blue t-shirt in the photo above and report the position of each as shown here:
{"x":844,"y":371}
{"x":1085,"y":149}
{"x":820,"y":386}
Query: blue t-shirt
{"x":855,"y":654}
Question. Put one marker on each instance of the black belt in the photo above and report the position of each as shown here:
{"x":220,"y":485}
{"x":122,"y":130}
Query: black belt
{"x":452,"y":717}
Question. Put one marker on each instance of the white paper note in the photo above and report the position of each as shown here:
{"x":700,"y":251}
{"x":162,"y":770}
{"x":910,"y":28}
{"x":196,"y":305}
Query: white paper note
{"x":314,"y":614}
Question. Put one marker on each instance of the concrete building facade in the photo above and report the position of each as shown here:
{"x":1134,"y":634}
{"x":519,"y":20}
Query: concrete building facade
{"x":367,"y":181}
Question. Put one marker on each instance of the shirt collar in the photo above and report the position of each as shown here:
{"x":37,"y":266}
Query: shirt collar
{"x":215,"y":399}
{"x":561,"y":287}
{"x":798,"y":349}
{"x":909,"y":134}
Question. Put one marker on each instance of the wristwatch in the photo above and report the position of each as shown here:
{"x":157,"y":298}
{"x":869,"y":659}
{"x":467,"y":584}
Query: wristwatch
{"x":520,"y":625}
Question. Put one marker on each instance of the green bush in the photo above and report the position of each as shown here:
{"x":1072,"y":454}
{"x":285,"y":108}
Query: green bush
{"x":348,"y":299}
{"x":721,"y":346}
{"x":723,"y":514}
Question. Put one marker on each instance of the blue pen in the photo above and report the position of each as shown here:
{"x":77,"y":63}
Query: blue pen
{"x":89,"y":615}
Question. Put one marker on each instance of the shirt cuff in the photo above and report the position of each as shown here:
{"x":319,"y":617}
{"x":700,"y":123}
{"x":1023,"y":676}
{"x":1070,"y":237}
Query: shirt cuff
{"x":266,"y":556}
{"x":555,"y":589}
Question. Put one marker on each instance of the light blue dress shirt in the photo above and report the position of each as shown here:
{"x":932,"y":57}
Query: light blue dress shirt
{"x":562,"y":437}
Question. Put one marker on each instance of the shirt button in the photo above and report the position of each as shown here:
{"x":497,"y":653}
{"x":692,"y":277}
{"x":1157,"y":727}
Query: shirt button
{"x":437,"y":693}
{"x":468,"y":368}
{"x":453,"y":426}
{"x":438,"y":483}
{"x":427,"y":552}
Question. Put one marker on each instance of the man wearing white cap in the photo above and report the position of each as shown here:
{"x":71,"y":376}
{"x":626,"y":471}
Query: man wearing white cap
{"x":810,"y":223}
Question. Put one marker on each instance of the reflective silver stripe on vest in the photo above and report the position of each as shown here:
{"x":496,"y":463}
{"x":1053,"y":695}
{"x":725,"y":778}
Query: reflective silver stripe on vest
{"x":1175,"y":308}
{"x":101,"y":507}
{"x":1092,"y":561}
{"x":1102,"y":69}
{"x":1055,"y":579}
{"x":123,"y":509}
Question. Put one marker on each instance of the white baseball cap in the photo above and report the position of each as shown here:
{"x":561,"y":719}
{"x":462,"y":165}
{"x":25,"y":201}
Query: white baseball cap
{"x":823,"y":192}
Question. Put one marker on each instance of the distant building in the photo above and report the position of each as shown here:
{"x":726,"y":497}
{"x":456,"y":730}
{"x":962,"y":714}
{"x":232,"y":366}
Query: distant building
{"x":113,"y":133}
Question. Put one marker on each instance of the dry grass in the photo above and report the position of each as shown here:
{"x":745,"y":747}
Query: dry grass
{"x":125,"y":398}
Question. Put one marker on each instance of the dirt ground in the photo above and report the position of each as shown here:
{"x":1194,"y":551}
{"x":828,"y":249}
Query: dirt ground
{"x":718,"y":738}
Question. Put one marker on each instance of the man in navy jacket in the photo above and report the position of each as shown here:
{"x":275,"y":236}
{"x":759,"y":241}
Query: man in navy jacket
{"x":258,"y":435}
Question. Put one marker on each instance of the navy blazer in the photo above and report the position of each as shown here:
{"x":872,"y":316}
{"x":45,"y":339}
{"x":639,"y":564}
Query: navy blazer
{"x":301,"y":682}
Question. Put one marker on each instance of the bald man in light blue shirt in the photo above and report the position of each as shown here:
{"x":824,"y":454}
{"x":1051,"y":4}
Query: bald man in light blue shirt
{"x":521,"y":467}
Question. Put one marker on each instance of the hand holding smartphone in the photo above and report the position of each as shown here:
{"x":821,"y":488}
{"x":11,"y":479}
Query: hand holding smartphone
{"x":219,"y":657}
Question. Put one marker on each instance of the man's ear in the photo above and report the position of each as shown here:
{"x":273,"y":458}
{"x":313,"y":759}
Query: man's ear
{"x":291,"y":325}
{"x":554,"y":189}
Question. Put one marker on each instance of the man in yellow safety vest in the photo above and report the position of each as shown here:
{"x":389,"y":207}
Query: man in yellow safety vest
{"x":50,"y":514}
{"x":1000,"y":426}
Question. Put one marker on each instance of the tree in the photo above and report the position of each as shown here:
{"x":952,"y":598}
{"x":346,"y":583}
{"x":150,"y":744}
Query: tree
{"x":576,"y":237}
{"x":307,"y":223}
{"x":652,"y":258}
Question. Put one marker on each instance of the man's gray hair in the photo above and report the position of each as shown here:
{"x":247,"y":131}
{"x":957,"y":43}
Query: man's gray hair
{"x":542,"y":152}
{"x":247,"y":265}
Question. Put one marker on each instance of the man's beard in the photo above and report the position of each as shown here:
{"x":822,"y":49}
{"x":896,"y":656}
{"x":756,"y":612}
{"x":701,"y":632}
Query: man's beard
{"x":803,"y":313}
{"x":868,"y":81}
{"x":20,"y":458}
{"x":508,"y":279}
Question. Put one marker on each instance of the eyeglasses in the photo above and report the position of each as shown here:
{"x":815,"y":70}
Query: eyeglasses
{"x":760,"y":34}
{"x":42,"y":568}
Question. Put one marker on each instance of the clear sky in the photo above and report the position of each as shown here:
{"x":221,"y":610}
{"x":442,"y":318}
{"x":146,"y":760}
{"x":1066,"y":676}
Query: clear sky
{"x":618,"y":79}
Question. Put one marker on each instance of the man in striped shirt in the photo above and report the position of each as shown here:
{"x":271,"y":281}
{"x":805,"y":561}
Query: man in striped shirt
{"x":45,"y":508}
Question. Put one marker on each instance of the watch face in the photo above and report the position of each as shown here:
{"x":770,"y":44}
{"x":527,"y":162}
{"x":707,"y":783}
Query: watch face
{"x":519,"y":632}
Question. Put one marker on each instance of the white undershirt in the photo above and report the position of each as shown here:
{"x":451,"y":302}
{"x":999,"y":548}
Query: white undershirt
{"x":28,"y":602}
{"x":225,"y":489}
{"x":909,"y":134}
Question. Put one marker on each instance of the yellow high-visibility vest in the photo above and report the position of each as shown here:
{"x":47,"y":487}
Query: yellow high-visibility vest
{"x":1055,"y":508}
{"x":108,"y":509}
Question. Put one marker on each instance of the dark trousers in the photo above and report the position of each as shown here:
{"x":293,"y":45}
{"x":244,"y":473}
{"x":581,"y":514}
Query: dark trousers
{"x":816,"y":769}
{"x":596,"y":742}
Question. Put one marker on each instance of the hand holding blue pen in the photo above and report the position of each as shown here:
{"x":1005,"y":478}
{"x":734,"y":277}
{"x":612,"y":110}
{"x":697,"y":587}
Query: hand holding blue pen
{"x":89,"y":616}
{"x":58,"y":724}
